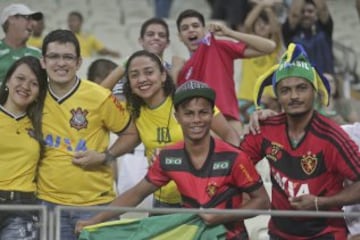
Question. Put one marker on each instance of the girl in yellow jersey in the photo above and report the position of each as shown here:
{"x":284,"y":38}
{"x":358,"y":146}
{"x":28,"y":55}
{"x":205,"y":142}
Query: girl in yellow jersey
{"x":22,"y":97}
{"x":149,"y":91}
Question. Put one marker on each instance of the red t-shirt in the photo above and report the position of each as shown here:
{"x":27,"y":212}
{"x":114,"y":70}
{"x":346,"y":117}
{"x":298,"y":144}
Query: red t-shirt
{"x":226,"y":173}
{"x":213,"y":63}
{"x":318,"y":165}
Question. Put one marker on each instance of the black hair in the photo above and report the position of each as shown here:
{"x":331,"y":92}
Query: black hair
{"x":61,"y":36}
{"x":152,"y":21}
{"x":35,"y":109}
{"x":100,"y":69}
{"x":135,"y":102}
{"x":187,"y":14}
{"x":77,"y":14}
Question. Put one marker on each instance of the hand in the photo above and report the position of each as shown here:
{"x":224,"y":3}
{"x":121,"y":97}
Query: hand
{"x":88,"y":159}
{"x":209,"y":219}
{"x":219,"y":29}
{"x":83,"y":223}
{"x":304,"y":202}
{"x":257,"y":116}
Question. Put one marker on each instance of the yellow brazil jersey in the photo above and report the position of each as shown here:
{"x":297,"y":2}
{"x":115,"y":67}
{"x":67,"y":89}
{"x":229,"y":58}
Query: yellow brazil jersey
{"x":157,"y":128}
{"x":89,"y":44}
{"x":79,"y":121}
{"x":20,"y":153}
{"x":252,"y":68}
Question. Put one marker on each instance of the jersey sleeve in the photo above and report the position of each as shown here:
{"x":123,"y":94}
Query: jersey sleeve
{"x":115,"y":115}
{"x":245,"y":175}
{"x":156,"y":175}
{"x":345,"y":157}
{"x":251,"y":145}
{"x":233,"y":49}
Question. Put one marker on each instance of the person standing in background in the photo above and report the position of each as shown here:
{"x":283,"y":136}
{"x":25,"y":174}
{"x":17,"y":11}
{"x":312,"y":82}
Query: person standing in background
{"x":37,"y":37}
{"x":89,"y":44}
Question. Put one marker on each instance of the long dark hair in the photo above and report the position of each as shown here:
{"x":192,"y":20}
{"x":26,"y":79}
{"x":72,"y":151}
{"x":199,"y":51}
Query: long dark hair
{"x":134,"y":102}
{"x":35,"y":109}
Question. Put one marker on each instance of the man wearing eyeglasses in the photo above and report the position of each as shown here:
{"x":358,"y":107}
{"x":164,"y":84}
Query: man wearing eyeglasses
{"x":16,"y":22}
{"x":78,"y":116}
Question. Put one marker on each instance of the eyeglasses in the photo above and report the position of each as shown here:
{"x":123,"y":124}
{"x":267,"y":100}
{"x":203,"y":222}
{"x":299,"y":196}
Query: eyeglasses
{"x":26,"y":17}
{"x":68,"y":58}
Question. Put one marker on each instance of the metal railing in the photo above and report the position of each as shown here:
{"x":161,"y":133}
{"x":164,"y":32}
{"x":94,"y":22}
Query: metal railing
{"x":50,"y":224}
{"x":43,"y":215}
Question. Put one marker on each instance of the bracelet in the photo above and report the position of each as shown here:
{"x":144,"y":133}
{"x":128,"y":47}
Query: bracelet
{"x":109,"y":158}
{"x":316,"y":199}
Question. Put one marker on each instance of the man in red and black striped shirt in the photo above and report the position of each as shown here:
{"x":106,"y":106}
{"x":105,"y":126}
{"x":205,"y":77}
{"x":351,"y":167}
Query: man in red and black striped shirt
{"x":309,"y":154}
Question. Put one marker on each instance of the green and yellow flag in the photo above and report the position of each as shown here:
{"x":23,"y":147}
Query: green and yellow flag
{"x":172,"y":226}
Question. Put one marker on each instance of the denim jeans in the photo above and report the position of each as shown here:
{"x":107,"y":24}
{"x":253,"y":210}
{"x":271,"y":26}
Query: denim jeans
{"x":19,"y":227}
{"x":68,"y":220}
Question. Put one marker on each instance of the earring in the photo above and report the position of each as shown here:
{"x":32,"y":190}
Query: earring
{"x":6,"y":89}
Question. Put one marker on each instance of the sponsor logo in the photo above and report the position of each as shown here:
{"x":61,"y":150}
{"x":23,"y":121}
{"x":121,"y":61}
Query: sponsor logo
{"x":309,"y":163}
{"x":173,"y":161}
{"x":221,"y":165}
{"x":78,"y":120}
{"x":291,"y":187}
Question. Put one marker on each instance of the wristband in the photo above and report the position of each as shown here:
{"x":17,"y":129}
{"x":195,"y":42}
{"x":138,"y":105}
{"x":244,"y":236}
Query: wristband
{"x":109,"y":158}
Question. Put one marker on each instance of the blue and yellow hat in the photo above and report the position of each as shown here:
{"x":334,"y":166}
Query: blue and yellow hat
{"x":293,"y":63}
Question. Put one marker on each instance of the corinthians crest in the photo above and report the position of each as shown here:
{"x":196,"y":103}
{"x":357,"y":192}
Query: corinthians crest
{"x":309,"y":163}
{"x":78,"y":120}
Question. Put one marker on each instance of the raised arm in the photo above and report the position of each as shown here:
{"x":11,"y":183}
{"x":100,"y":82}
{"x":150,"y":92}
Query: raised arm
{"x":110,"y":81}
{"x":223,"y":129}
{"x":256,"y":46}
{"x":295,"y":13}
{"x":322,"y":10}
{"x":252,"y":16}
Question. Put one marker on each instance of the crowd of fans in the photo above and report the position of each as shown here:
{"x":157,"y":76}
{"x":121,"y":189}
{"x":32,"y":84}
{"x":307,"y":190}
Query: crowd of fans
{"x":202,"y":136}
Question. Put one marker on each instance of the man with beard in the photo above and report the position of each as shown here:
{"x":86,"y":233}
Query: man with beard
{"x":309,"y":154}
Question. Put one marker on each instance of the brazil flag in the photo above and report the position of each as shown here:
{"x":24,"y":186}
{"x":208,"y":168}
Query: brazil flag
{"x":172,"y":226}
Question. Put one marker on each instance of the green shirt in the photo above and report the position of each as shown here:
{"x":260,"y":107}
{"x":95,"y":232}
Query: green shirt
{"x":9,"y":55}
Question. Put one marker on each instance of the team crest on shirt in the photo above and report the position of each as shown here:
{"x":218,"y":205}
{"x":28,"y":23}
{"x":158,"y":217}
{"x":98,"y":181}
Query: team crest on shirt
{"x":211,"y":189}
{"x":309,"y":163}
{"x":274,"y":152}
{"x":78,"y":119}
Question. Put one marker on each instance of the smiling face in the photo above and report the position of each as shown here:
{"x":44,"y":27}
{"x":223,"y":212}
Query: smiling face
{"x":191,"y":30}
{"x":23,"y":89}
{"x":146,"y":80}
{"x":296,"y":96}
{"x":195,"y":118}
{"x":61,"y":64}
{"x":155,"y":39}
